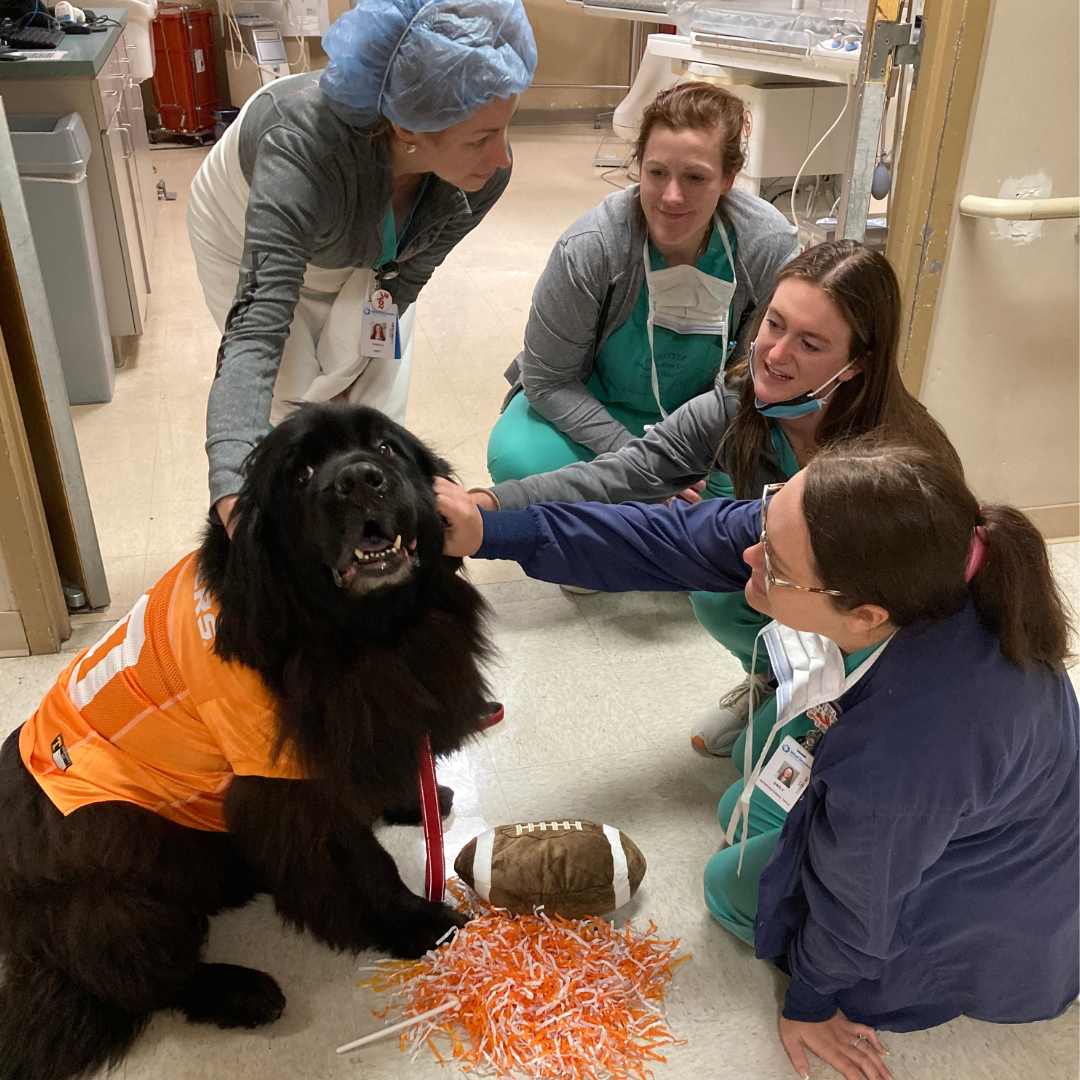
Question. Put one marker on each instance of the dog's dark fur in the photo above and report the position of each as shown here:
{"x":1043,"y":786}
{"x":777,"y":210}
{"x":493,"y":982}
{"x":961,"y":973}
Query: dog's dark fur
{"x":103,"y":913}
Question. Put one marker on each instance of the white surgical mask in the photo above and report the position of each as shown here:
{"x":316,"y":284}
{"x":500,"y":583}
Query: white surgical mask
{"x":689,"y":301}
{"x":809,"y":670}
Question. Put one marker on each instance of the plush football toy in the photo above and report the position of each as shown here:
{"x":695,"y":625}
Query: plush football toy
{"x":573,"y":868}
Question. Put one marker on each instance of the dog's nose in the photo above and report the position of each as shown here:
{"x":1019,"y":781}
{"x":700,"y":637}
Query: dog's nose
{"x":359,"y":472}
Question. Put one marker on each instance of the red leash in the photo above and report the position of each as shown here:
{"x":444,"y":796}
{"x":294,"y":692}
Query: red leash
{"x":435,"y":874}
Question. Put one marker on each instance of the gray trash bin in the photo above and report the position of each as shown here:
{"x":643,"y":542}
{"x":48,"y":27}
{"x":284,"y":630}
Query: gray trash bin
{"x":51,"y":154}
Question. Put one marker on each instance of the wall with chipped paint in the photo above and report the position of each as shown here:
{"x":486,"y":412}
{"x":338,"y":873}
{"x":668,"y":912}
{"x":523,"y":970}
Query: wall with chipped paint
{"x":1002,"y":367}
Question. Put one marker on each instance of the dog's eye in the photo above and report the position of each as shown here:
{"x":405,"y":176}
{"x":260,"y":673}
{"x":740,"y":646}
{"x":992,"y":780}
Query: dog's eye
{"x":386,"y":450}
{"x":306,"y":473}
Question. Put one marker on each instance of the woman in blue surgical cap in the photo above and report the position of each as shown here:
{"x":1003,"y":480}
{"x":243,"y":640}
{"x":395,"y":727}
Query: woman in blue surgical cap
{"x":337,"y":193}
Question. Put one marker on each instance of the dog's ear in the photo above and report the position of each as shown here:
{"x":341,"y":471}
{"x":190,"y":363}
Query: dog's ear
{"x":240,"y":571}
{"x":430,"y":462}
{"x":442,"y":467}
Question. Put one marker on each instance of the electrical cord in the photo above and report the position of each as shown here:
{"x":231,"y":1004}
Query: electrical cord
{"x":802,"y":167}
{"x":612,"y":172}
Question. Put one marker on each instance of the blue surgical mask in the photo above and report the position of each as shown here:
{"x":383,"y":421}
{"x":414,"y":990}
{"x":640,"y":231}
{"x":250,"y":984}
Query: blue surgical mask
{"x":796,"y":406}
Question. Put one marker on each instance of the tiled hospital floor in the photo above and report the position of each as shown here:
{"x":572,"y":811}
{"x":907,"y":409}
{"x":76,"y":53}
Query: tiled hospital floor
{"x":599,"y":690}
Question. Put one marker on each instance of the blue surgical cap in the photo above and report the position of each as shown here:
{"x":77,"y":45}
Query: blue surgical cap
{"x":427,"y":64}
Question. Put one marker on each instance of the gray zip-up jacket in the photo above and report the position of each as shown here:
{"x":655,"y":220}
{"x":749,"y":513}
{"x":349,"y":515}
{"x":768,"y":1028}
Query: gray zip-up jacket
{"x":590,"y":286}
{"x":676,"y":453}
{"x":319,"y":190}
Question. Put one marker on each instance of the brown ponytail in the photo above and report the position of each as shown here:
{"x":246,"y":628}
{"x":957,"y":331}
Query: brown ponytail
{"x":893,"y":525}
{"x":1015,"y":593}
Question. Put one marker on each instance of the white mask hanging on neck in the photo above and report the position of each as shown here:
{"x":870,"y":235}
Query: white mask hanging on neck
{"x":689,"y":301}
{"x":809,"y":669}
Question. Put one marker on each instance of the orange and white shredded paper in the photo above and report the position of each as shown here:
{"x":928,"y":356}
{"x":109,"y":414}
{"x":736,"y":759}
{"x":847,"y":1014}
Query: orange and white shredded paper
{"x":538,"y":996}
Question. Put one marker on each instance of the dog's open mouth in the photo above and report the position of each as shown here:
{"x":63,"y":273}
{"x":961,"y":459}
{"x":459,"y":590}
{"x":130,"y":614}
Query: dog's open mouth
{"x":375,"y":560}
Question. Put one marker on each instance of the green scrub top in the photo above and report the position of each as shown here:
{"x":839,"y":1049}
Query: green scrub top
{"x":780,"y":443}
{"x":390,"y":235}
{"x":686,"y":364}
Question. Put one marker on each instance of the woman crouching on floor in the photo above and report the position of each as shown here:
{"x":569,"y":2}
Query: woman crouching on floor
{"x":925,"y":862}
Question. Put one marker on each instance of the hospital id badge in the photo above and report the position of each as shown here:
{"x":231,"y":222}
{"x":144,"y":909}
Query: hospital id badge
{"x":787,"y":773}
{"x":378,"y":327}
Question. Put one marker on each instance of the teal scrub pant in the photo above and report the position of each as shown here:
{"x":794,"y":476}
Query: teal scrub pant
{"x":733,"y":623}
{"x":732,"y":897}
{"x":523,"y":443}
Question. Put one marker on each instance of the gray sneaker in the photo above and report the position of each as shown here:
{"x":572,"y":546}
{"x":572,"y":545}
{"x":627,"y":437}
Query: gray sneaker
{"x":721,"y":724}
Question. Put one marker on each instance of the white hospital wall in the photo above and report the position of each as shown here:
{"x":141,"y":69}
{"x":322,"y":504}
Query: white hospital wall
{"x":1002,"y":364}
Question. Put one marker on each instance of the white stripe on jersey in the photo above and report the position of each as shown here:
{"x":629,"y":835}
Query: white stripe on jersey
{"x":83,"y":687}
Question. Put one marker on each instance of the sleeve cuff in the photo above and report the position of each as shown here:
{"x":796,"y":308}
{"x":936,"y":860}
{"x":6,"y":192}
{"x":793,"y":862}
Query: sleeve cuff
{"x":804,"y":1004}
{"x":511,"y":495}
{"x":508,"y":534}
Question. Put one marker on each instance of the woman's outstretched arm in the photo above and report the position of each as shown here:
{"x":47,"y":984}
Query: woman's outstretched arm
{"x":622,"y":548}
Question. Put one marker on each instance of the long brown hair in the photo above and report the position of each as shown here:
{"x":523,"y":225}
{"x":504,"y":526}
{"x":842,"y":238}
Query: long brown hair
{"x":894,"y":525}
{"x":863,"y":287}
{"x":699,"y":106}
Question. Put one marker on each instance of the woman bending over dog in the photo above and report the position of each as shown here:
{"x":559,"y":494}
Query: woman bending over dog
{"x":925,"y":864}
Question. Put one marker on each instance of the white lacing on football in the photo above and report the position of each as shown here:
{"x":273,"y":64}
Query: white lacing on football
{"x":621,"y":879}
{"x":528,"y":826}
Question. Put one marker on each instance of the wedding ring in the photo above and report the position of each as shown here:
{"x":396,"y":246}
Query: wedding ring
{"x":861,"y":1038}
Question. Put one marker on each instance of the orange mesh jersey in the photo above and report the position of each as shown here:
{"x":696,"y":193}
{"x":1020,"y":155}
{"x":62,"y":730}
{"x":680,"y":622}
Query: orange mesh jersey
{"x":150,"y":715}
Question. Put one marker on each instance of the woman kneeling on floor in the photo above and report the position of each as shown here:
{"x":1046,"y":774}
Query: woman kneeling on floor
{"x":923,"y":864}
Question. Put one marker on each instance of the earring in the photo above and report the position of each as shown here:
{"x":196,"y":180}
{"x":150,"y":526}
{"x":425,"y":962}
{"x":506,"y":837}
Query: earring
{"x":410,"y":148}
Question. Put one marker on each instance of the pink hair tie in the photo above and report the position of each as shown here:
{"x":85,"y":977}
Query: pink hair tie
{"x":977,"y":553}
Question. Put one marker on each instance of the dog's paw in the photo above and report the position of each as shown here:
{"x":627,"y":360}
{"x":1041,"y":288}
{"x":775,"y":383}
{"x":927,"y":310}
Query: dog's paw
{"x":410,"y":814}
{"x":232,"y":997}
{"x":417,"y":929}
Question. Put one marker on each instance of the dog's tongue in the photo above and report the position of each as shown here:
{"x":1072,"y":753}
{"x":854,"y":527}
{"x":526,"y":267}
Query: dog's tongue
{"x":373,"y":543}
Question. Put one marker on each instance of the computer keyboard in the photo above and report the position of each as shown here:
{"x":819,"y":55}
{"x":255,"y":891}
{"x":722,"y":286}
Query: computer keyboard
{"x":31,"y":37}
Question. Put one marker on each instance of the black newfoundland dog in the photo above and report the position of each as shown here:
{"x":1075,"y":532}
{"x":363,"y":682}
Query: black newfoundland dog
{"x":334,"y":589}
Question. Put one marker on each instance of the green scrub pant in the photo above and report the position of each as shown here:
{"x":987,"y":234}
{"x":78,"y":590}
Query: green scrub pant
{"x":732,"y":897}
{"x":523,"y":443}
{"x":733,"y":623}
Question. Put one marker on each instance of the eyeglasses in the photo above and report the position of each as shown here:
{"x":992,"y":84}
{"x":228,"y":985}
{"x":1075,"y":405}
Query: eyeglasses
{"x":770,"y":578}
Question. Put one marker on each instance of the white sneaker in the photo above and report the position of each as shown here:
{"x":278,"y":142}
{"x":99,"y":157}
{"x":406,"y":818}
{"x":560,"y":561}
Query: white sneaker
{"x":721,"y":724}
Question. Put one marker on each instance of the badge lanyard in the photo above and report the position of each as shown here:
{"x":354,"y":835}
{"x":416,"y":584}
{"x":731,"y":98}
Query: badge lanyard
{"x":649,"y":322}
{"x":752,"y":772}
